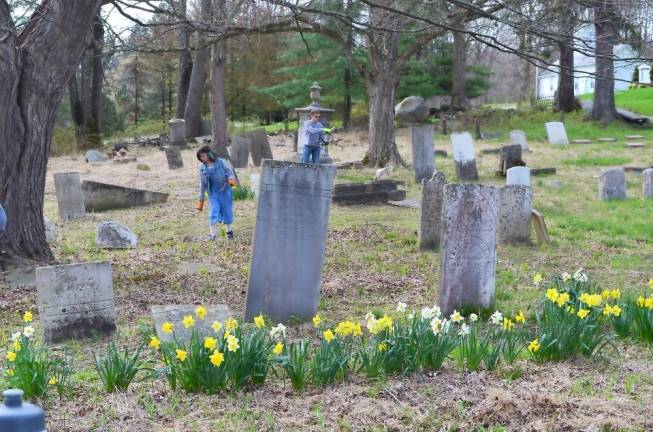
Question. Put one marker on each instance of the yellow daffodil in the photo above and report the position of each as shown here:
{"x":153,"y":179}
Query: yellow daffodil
{"x":520,"y":318}
{"x":155,"y":342}
{"x":10,"y":372}
{"x":210,"y":343}
{"x":648,"y":303}
{"x":641,"y":301}
{"x":17,"y":345}
{"x":507,"y":324}
{"x":456,"y":317}
{"x":188,"y":321}
{"x":358,"y":331}
{"x":317,"y":320}
{"x":348,"y":328}
{"x":216,"y":326}
{"x":606,"y":294}
{"x":384,"y":323}
{"x":615,"y":294}
{"x":278,"y":349}
{"x":552,"y":294}
{"x":534,"y":346}
{"x":11,"y":356}
{"x":226,"y":334}
{"x":616,"y":310}
{"x":591,"y":300}
{"x":537,"y":279}
{"x":181,"y":355}
{"x":167,"y":327}
{"x":259,"y":321}
{"x":232,"y":343}
{"x":328,"y":335}
{"x":583,"y":313}
{"x":27,"y":316}
{"x":231,"y":324}
{"x":201,"y":312}
{"x":216,"y":358}
{"x":382,"y":347}
{"x":562,"y":300}
{"x":53,"y":381}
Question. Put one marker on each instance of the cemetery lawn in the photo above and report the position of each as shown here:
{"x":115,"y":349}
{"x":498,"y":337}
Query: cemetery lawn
{"x":372,"y":262}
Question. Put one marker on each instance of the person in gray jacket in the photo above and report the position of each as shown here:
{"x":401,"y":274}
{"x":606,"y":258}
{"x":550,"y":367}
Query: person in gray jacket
{"x":314,"y":131}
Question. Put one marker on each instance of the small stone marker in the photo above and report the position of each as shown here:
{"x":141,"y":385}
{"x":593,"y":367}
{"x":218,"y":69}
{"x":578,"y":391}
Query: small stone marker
{"x":431,"y":215}
{"x":70,"y":199}
{"x":102,"y":196}
{"x":291,"y":231}
{"x":384,"y":173}
{"x":635,"y":145}
{"x":173,"y":156}
{"x":634,"y":137}
{"x":468,"y":246}
{"x":463,"y":155}
{"x":255,"y":182}
{"x":174,"y":314}
{"x":518,"y":137}
{"x":516,"y":205}
{"x":612,"y":184}
{"x":423,"y":154}
{"x":177,"y":132}
{"x":543,"y":171}
{"x":581,"y":141}
{"x":259,"y":146}
{"x":239,"y":154}
{"x":75,"y":300}
{"x":647,"y":183}
{"x":50,"y":230}
{"x":95,"y":156}
{"x":380,"y":191}
{"x":518,"y":175}
{"x":556,"y":133}
{"x":607,"y":139}
{"x":407,"y":203}
{"x":112,"y":235}
{"x":510,"y":157}
{"x":541,"y":231}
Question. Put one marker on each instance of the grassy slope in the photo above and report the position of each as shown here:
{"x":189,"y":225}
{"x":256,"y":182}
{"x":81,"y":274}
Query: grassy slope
{"x":637,"y":100}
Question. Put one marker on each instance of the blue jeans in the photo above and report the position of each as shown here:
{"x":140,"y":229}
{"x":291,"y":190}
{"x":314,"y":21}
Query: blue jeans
{"x":311,"y":152}
{"x":3,"y":219}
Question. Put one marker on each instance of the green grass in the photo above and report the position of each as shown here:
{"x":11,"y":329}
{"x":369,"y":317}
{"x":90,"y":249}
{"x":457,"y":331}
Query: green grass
{"x":589,"y":161}
{"x":147,"y":127}
{"x":638,"y":100}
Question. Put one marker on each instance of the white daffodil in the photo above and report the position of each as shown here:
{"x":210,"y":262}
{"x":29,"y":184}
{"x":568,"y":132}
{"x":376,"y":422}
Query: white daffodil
{"x":464,"y":330}
{"x":496,"y":318}
{"x":428,"y":313}
{"x":401,"y":307}
{"x":436,"y":325}
{"x":473,"y":317}
{"x":28,"y":331}
{"x":16,"y":336}
{"x":279,"y":330}
{"x":566,"y":276}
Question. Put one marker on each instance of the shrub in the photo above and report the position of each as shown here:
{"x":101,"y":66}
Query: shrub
{"x":118,"y":369}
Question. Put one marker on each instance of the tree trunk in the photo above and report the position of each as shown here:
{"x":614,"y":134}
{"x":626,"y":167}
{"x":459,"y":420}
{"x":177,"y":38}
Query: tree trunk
{"x":35,"y":68}
{"x":382,"y":146}
{"x":218,"y":105}
{"x":459,"y":99}
{"x":193,"y":112}
{"x":346,"y":115}
{"x":604,"y":109}
{"x":185,"y":63}
{"x":565,"y":98}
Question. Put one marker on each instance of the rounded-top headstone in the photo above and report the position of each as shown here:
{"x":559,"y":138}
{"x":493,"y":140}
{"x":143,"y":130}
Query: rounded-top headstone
{"x":518,"y":137}
{"x":518,"y":176}
{"x":112,"y":235}
{"x":177,"y":130}
{"x":16,"y":416}
{"x":612,"y":184}
{"x":412,"y":110}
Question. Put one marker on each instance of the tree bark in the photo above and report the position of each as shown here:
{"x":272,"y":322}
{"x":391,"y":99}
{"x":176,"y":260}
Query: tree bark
{"x":193,"y":112}
{"x":218,"y":105}
{"x":459,"y":99}
{"x":185,"y":63}
{"x":35,"y":68}
{"x":565,"y":98}
{"x":346,"y":115}
{"x":604,"y":108}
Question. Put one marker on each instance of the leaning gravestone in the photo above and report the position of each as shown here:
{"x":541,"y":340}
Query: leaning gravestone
{"x":173,"y":156}
{"x":259,"y":146}
{"x":291,"y":230}
{"x":612,"y":184}
{"x":174,"y":314}
{"x":112,"y":235}
{"x":647,"y":183}
{"x":423,"y":155}
{"x":70,"y":199}
{"x":431,"y":212}
{"x":239,"y":154}
{"x":518,"y":175}
{"x":510,"y":156}
{"x":518,"y":137}
{"x":468,"y":246}
{"x":515,"y":208}
{"x":102,"y":196}
{"x":556,"y":133}
{"x":463,"y":155}
{"x":75,"y":300}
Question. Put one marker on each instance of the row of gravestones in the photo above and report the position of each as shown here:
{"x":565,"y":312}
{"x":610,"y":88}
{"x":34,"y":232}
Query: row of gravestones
{"x":612,"y":184}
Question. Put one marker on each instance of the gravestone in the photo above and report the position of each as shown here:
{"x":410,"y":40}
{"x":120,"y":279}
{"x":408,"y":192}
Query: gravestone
{"x":540,"y":227}
{"x":510,"y":156}
{"x":542,"y":171}
{"x":95,"y":156}
{"x":468,"y":246}
{"x":515,"y":208}
{"x":518,"y":137}
{"x":239,"y":153}
{"x":463,"y":155}
{"x":380,"y":191}
{"x":291,"y":230}
{"x":174,"y":314}
{"x":423,"y":155}
{"x":70,"y":199}
{"x":254,"y":182}
{"x":174,"y":158}
{"x":50,"y":230}
{"x":411,"y":110}
{"x":259,"y":146}
{"x":177,"y":133}
{"x":384,"y":173}
{"x":518,"y":175}
{"x":607,"y":139}
{"x":75,"y":300}
{"x":647,"y":183}
{"x":431,"y":214}
{"x":612,"y":184}
{"x":112,"y":235}
{"x":556,"y":133}
{"x":103,"y":196}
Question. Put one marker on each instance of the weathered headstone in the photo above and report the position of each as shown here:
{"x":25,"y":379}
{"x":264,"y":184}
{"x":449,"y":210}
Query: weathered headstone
{"x":468,"y":246}
{"x":607,"y":139}
{"x":175,"y":314}
{"x":291,"y":229}
{"x":612,"y":184}
{"x":380,"y":191}
{"x":50,"y":230}
{"x":174,"y":158}
{"x":431,"y":212}
{"x":516,"y":205}
{"x":75,"y":300}
{"x":259,"y":146}
{"x":255,"y":182}
{"x":239,"y":153}
{"x":540,"y":227}
{"x":95,"y":156}
{"x":463,"y":155}
{"x":102,"y":196}
{"x":635,"y":145}
{"x":112,"y":235}
{"x":518,"y":175}
{"x":70,"y":199}
{"x":556,"y":133}
{"x":647,"y":183}
{"x":177,"y":133}
{"x":542,"y":171}
{"x":518,"y":137}
{"x":423,"y":155}
{"x":510,"y":156}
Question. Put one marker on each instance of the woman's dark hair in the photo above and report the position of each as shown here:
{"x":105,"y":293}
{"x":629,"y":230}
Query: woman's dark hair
{"x":207,"y":150}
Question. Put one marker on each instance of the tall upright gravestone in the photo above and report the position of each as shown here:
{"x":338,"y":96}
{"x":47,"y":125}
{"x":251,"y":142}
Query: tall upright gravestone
{"x":515,"y":209}
{"x":519,"y":138}
{"x":556,"y":133}
{"x":463,"y":155}
{"x":177,"y":133}
{"x":647,"y":183}
{"x":70,"y":199}
{"x":423,"y":152}
{"x":240,"y":151}
{"x":259,"y":146}
{"x":173,"y":157}
{"x":468,"y":246}
{"x":289,"y":240}
{"x":431,"y":212}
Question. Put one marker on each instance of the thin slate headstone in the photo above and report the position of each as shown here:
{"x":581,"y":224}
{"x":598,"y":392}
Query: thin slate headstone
{"x":540,"y":227}
{"x":463,"y":155}
{"x":174,"y":314}
{"x":259,"y":146}
{"x":173,"y":156}
{"x":70,"y":199}
{"x":516,"y":206}
{"x":431,"y":213}
{"x":289,"y":240}
{"x":75,"y":300}
{"x":423,"y":154}
{"x":647,"y":183}
{"x":556,"y":133}
{"x":612,"y":184}
{"x":510,"y":156}
{"x":518,"y":137}
{"x":468,"y":250}
{"x":177,"y":132}
{"x":518,"y":175}
{"x":239,"y":154}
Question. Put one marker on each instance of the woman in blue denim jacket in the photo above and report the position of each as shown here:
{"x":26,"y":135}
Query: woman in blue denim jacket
{"x":216,"y":181}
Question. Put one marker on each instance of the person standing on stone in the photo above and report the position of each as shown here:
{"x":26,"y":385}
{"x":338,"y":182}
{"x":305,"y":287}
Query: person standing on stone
{"x":3,"y":220}
{"x":314,"y":131}
{"x":216,"y":180}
